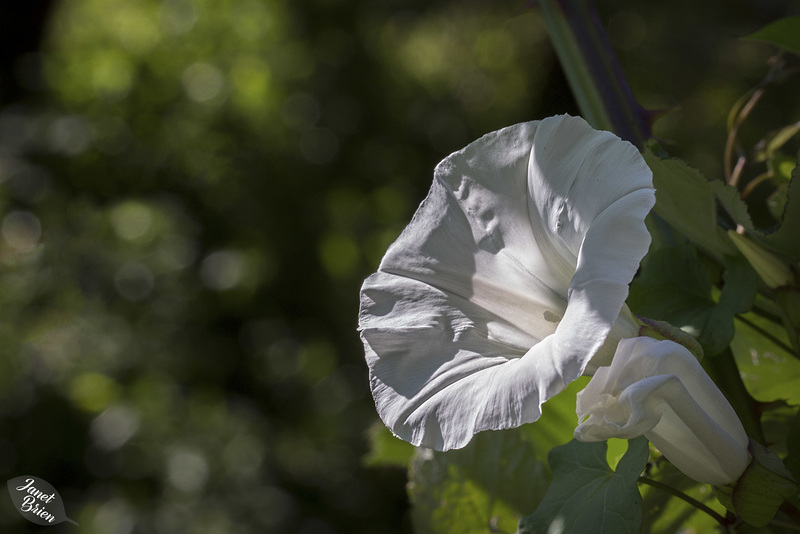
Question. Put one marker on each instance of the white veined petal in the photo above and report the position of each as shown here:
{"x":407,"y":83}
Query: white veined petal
{"x":507,"y":281}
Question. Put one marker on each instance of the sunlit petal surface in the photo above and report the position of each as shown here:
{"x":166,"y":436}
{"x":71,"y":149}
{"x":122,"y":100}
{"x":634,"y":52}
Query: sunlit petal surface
{"x":659,"y":390}
{"x":507,"y":282}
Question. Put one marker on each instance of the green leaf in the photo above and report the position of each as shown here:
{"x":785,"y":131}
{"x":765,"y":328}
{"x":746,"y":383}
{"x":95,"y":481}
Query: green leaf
{"x":788,"y":298}
{"x":774,"y":141}
{"x":674,"y":287}
{"x":665,"y":513}
{"x":739,"y":291}
{"x":773,"y":270}
{"x":557,"y":424}
{"x":768,"y":370}
{"x":386,"y":449}
{"x":489,"y":484}
{"x":684,"y":198}
{"x":496,"y":479}
{"x":687,"y":201}
{"x":586,"y":495}
{"x":731,"y":201}
{"x":793,"y":446}
{"x":783,"y":166}
{"x":784,"y":33}
{"x":784,"y":240}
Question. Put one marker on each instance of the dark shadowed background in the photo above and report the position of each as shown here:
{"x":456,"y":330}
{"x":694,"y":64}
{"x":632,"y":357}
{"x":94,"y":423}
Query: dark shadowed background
{"x":191,"y":192}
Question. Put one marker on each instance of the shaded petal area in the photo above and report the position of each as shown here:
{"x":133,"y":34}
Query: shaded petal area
{"x":507,"y":282}
{"x":659,"y":390}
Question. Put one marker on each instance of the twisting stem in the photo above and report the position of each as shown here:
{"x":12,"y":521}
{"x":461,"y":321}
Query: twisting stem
{"x":755,"y":182}
{"x":679,"y":494}
{"x":732,"y":174}
{"x":591,"y":67}
{"x":741,"y":110}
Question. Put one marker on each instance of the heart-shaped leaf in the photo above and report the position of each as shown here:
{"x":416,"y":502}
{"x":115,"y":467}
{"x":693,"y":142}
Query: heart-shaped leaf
{"x":674,"y":287}
{"x":586,"y":495}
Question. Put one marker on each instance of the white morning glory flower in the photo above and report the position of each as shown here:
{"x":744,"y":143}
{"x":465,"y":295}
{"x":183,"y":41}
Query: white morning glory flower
{"x":659,"y":390}
{"x":509,"y":282}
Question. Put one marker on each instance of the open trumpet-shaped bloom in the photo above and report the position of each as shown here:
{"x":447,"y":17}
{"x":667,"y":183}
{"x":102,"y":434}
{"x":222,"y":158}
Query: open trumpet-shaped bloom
{"x":507,"y":282}
{"x":659,"y":390}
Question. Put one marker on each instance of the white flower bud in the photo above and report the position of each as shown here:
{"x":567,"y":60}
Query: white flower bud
{"x":659,"y":390}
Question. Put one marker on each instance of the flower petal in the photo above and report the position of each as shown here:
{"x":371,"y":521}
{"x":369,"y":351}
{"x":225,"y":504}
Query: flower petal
{"x":507,"y":281}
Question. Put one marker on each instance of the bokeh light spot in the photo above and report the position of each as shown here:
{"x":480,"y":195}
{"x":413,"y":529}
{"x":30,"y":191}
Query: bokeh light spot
{"x":390,"y":205}
{"x":223,"y":269}
{"x":22,"y":230}
{"x":111,"y":73}
{"x":69,"y":135}
{"x":251,"y":79}
{"x":132,"y":221}
{"x":93,"y":392}
{"x":187,"y":470}
{"x":177,"y":17}
{"x":203,"y":82}
{"x":339,"y":255}
{"x":134,"y":281}
{"x":115,"y":516}
{"x":243,"y":456}
{"x":176,"y":252}
{"x":494,"y":48}
{"x":137,"y":33}
{"x":114,"y":427}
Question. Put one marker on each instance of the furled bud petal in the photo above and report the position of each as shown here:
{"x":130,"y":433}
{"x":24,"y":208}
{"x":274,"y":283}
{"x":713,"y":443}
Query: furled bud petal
{"x":659,"y":390}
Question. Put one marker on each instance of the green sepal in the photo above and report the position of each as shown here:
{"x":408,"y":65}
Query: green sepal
{"x":664,"y":330}
{"x":725,"y":496}
{"x":761,"y":489}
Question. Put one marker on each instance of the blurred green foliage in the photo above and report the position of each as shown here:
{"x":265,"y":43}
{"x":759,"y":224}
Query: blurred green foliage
{"x":191,"y":193}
